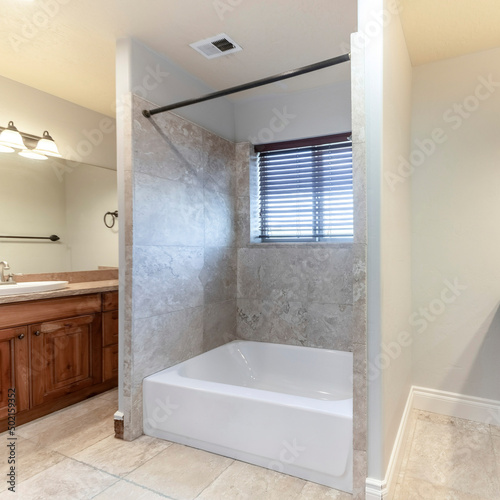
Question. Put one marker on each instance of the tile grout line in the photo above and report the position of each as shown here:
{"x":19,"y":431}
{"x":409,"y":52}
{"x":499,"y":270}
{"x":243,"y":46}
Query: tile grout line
{"x":208,"y":485}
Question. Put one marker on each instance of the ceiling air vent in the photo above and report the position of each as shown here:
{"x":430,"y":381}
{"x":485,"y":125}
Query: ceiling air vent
{"x":216,"y":46}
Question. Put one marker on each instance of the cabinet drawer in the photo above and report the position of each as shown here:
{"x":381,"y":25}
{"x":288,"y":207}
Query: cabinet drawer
{"x":110,"y":363}
{"x":109,"y":328}
{"x":109,"y":301}
{"x":24,"y":313}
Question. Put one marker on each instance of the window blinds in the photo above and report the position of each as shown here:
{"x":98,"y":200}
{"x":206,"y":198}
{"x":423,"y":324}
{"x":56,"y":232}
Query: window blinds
{"x":305,"y":192}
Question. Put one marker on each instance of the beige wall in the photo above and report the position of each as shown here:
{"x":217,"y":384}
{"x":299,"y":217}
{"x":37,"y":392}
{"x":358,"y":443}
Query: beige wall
{"x":81,"y":134}
{"x":388,"y":116}
{"x":395,"y":234}
{"x":456,"y":233}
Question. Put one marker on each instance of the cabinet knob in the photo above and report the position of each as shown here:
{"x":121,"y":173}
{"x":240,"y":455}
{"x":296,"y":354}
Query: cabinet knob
{"x":21,"y":337}
{"x":37,"y":333}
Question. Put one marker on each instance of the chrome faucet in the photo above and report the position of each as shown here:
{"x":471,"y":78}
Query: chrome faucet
{"x":6,"y":280}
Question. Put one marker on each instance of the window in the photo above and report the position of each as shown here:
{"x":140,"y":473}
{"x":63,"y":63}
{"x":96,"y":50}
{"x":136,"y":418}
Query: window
{"x":305,"y":189}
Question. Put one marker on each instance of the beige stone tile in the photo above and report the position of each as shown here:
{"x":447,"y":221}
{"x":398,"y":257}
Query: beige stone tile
{"x":496,"y":448}
{"x":359,"y":474}
{"x":415,"y":489}
{"x":111,"y":395}
{"x":312,"y":491}
{"x":242,"y":481}
{"x":127,"y":491}
{"x":120,"y":457}
{"x":180,"y":472}
{"x":73,"y":436}
{"x":95,"y":408}
{"x":30,"y":460}
{"x":66,"y":480}
{"x":459,"y":423}
{"x":456,"y":454}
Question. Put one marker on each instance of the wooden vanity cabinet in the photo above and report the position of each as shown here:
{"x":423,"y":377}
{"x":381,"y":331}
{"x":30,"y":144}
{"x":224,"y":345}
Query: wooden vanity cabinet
{"x":110,"y":337}
{"x":56,"y":352}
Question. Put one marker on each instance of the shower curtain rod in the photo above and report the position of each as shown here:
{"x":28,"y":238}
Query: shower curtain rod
{"x":247,"y":86}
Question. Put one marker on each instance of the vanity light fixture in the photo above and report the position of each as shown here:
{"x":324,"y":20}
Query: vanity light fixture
{"x":47,"y":146}
{"x":11,"y":139}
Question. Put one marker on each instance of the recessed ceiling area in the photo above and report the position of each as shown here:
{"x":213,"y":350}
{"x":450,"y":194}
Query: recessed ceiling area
{"x":440,"y":29}
{"x":69,"y":51}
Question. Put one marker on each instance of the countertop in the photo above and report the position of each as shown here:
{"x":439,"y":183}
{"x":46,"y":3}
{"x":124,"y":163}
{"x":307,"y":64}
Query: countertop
{"x":70,"y":290}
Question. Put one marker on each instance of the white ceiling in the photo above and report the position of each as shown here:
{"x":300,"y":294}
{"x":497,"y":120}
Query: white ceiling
{"x":440,"y":29}
{"x":70,"y":52}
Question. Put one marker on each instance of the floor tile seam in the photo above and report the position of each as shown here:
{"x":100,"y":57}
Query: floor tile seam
{"x":142,"y":463}
{"x":83,"y":449}
{"x":20,"y":433}
{"x":219,"y":475}
{"x":80,"y":451}
{"x":129,"y":481}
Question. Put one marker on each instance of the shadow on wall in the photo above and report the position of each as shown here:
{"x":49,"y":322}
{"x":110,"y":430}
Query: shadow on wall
{"x":481,"y":354}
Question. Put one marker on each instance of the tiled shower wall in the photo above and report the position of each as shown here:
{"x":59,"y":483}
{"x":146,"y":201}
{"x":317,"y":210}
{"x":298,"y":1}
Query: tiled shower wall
{"x":180,"y":250}
{"x":298,"y":294}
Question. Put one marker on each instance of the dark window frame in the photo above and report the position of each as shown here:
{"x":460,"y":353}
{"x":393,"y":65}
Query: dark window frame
{"x":325,"y":181}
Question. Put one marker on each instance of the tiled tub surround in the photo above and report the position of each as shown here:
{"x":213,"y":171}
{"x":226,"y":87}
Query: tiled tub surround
{"x":299,"y":295}
{"x":194,"y":280}
{"x":180,"y":253}
{"x":286,"y":408}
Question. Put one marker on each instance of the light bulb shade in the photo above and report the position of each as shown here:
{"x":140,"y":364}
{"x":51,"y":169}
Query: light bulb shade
{"x":47,"y":146}
{"x":11,"y":138}
{"x":6,"y":149}
{"x":29,"y":153}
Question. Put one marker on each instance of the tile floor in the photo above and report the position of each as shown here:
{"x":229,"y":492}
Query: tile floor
{"x":448,"y":458}
{"x":72,"y":454}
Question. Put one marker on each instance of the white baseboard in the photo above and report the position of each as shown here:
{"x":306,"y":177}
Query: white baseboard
{"x":486,"y":411}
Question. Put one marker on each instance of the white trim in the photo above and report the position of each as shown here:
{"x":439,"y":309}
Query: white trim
{"x":380,"y":490}
{"x":486,"y":411}
{"x":375,"y":489}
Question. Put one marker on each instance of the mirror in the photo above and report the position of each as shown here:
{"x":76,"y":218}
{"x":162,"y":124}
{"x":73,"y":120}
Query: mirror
{"x":56,"y":197}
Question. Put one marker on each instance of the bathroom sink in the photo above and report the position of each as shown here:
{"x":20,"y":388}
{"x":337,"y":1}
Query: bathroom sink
{"x":31,"y":286}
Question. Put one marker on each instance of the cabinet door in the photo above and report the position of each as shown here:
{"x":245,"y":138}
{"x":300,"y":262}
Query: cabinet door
{"x":110,"y":363}
{"x":14,"y":365}
{"x":109,"y":328}
{"x":63,"y":357}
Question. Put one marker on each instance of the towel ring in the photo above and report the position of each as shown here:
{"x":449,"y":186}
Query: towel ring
{"x":114,"y":216}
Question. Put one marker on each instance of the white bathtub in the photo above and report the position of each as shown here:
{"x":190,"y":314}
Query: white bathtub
{"x":282,"y":407}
